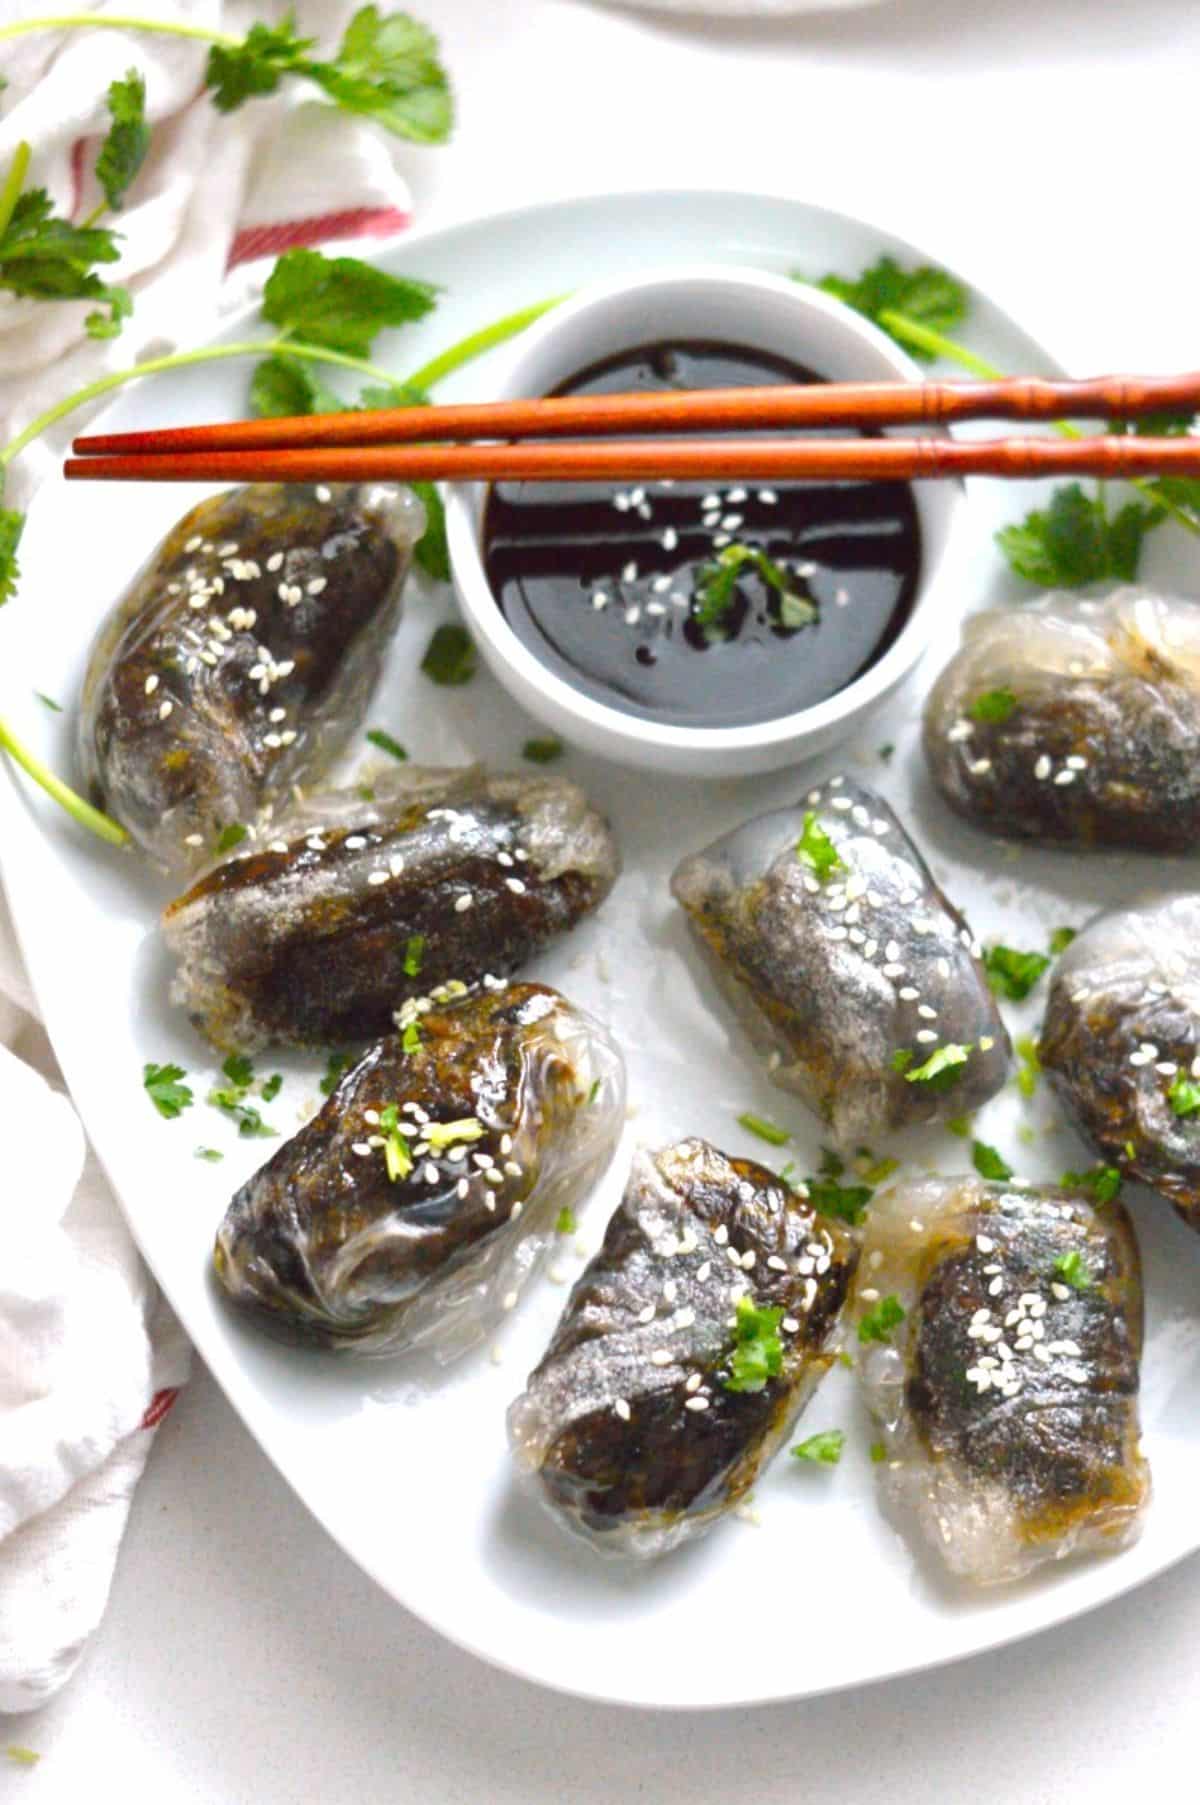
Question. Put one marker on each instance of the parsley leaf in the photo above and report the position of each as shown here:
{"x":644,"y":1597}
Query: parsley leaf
{"x":124,"y":149}
{"x":716,"y":588}
{"x":815,"y":849}
{"x":396,"y":1155}
{"x":823,"y":1449}
{"x":11,"y":527}
{"x":1074,"y":1270}
{"x":542,"y":752}
{"x":169,"y":1097}
{"x":942,"y":1069}
{"x":414,"y":952}
{"x":878,"y":1324}
{"x":340,"y":302}
{"x":988,"y":1163}
{"x":450,"y":656}
{"x":1074,"y":541}
{"x":1060,"y":940}
{"x":758,"y":1352}
{"x":1012,"y":974}
{"x":1104,"y":1182}
{"x":387,"y":68}
{"x":993,"y":705}
{"x":47,"y":259}
{"x":377,"y":737}
{"x":930,"y":296}
{"x":335,"y":1065}
{"x":564,"y":1222}
{"x":1184,"y":1095}
{"x":766,"y":1131}
{"x":847,"y":1203}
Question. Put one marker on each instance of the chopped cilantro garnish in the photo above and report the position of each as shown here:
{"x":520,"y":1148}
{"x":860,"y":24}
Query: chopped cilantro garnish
{"x":928,"y":296}
{"x":543,"y":751}
{"x":564,"y":1222}
{"x":961,"y":1126}
{"x":847,"y":1203}
{"x":377,"y":737}
{"x":1012,"y":974}
{"x":1029,"y":1066}
{"x":831,"y":1164}
{"x":716,"y":588}
{"x":815,"y":849}
{"x":340,"y":302}
{"x":766,"y":1131}
{"x":1184,"y":1095}
{"x":1074,"y":540}
{"x":593,"y":1090}
{"x":873,"y":1171}
{"x":1104,"y":1182}
{"x":450,"y":656}
{"x":1060,"y":940}
{"x":229,"y":837}
{"x":885,"y":754}
{"x":22,"y":1756}
{"x":366,"y":792}
{"x":878,"y":1324}
{"x":988,"y":1163}
{"x":396,"y":1155}
{"x":993,"y":705}
{"x":239,"y":1069}
{"x":335,"y":1065}
{"x":878,"y":1453}
{"x":414,"y":952}
{"x":48,"y":702}
{"x":449,"y":1134}
{"x":1073,"y":1270}
{"x":845,"y":1360}
{"x":410,"y":1040}
{"x":758,"y":1352}
{"x":124,"y":149}
{"x":823,"y":1449}
{"x":943,"y":1068}
{"x":272,"y":1087}
{"x":169,"y":1097}
{"x":901,"y":1059}
{"x":210,"y":1154}
{"x":250,"y":1124}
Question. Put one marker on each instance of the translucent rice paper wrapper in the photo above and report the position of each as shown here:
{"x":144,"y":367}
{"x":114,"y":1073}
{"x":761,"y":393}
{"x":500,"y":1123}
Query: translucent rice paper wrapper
{"x":627,"y":1428}
{"x":357,"y":906}
{"x":242,"y":657}
{"x":508,"y":1111}
{"x":1008,"y":1396}
{"x":848,"y":982}
{"x":1122,"y":1029}
{"x":1091,"y":709}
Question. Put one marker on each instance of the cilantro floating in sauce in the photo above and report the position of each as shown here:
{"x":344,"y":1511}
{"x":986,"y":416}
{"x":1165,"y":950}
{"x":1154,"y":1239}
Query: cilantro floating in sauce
{"x":766,"y":1131}
{"x":239,"y":1069}
{"x":815,"y":849}
{"x":377,"y":737}
{"x":994,"y":705}
{"x":716,"y":590}
{"x":163,"y":1087}
{"x":959,"y":1125}
{"x":879,"y":1323}
{"x":988,"y":1163}
{"x":823,"y":1449}
{"x":231,"y":1099}
{"x":396,"y":1155}
{"x":758,"y":1352}
{"x":1012,"y":974}
{"x":1073,"y":1270}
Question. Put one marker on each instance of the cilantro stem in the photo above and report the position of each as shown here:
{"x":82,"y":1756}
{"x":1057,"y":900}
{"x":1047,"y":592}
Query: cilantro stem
{"x":14,"y":181}
{"x":118,"y":22}
{"x":82,"y":811}
{"x":178,"y":360}
{"x":476,"y":343}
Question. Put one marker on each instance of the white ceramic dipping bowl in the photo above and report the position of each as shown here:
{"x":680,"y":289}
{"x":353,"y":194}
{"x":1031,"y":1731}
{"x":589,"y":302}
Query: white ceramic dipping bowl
{"x":765,"y":313}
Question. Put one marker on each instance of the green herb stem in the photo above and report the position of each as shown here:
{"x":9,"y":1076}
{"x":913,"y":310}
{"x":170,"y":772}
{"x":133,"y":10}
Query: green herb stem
{"x":477,"y":343}
{"x":81,"y":811}
{"x":118,"y":22}
{"x":14,"y":181}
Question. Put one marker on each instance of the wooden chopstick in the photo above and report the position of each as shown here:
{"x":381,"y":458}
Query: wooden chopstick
{"x":651,"y":460}
{"x":695,"y":410}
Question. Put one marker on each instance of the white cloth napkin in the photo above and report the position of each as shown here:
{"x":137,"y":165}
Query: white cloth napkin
{"x":90,"y":1355}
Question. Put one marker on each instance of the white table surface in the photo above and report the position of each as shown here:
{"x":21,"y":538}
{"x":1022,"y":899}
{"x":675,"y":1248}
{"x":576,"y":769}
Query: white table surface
{"x":1047,"y":146}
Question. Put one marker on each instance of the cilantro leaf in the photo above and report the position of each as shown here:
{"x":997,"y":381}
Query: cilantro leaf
{"x":959,"y":1125}
{"x":272,"y":1087}
{"x":414,"y":953}
{"x":1104,"y":1182}
{"x":988,"y":1163}
{"x":124,"y":149}
{"x":12,"y":524}
{"x":1074,"y":541}
{"x":716,"y":588}
{"x":878,"y":1324}
{"x":250,"y":1124}
{"x":757,"y":1352}
{"x":815,"y":849}
{"x":209,"y":1154}
{"x":878,"y":1453}
{"x":542,"y":752}
{"x":450,"y":656}
{"x":1184,"y":1095}
{"x":1074,"y":1270}
{"x":377,"y":737}
{"x":1029,"y":1065}
{"x":942,"y":1069}
{"x":1060,"y":940}
{"x":823,"y":1449}
{"x":766,"y":1131}
{"x":1012,"y":974}
{"x":229,"y":837}
{"x":901,"y":1059}
{"x":162,"y":1083}
{"x":48,"y":702}
{"x":564,"y":1222}
{"x":239,"y":72}
{"x":335,"y":1065}
{"x":283,"y":386}
{"x":340,"y":302}
{"x":930,"y":296}
{"x":239,"y":1069}
{"x":433,"y":548}
{"x":47,"y":259}
{"x":885,"y":754}
{"x":388,"y":69}
{"x":397,"y":1156}
{"x":847,"y":1203}
{"x":410,"y":1040}
{"x":993,"y":705}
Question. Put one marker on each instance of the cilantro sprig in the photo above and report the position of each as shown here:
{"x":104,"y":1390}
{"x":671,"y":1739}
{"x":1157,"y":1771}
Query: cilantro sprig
{"x":45,"y":258}
{"x":1013,"y":974}
{"x":1074,"y":540}
{"x":124,"y":149}
{"x":757,"y":1351}
{"x":230,"y":1098}
{"x":716,"y":590}
{"x":165,"y":1089}
{"x":823,"y":1449}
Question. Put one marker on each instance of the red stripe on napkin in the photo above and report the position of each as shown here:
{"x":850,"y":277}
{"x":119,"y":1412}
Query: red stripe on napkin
{"x":353,"y":222}
{"x":158,"y":1407}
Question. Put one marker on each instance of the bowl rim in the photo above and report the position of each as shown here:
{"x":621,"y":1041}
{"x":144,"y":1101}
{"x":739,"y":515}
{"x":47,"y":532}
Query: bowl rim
{"x":510,"y":653}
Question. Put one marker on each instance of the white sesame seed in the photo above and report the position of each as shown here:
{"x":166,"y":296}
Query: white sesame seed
{"x":463,"y":903}
{"x":1064,"y":777}
{"x":768,"y":497}
{"x":323,"y":492}
{"x":660,"y":1357}
{"x":985,"y":1244}
{"x":151,"y":685}
{"x":165,"y":709}
{"x":622,"y":1409}
{"x":516,"y":885}
{"x":696,"y":1403}
{"x":925,"y":1035}
{"x":1042,"y":768}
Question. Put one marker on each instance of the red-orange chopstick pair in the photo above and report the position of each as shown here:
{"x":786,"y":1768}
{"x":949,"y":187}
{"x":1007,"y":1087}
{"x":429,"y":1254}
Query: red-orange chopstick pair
{"x":526,"y":438}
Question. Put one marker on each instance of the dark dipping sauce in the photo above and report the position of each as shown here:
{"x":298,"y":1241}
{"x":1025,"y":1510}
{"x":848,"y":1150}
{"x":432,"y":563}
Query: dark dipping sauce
{"x":599,"y":580}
